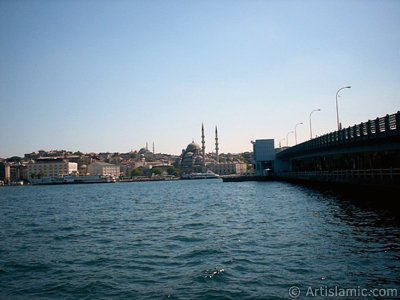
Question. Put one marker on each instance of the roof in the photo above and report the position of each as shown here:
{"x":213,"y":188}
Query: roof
{"x":101,"y":163}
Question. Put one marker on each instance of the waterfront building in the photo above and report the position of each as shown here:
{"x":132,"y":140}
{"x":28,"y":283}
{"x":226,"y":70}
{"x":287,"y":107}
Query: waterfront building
{"x":13,"y":172}
{"x":2,"y":171}
{"x":103,"y":169}
{"x":264,"y":156}
{"x":50,"y":167}
{"x":125,"y":170}
{"x":161,"y":166}
{"x":228,"y":168}
{"x":18,"y":172}
{"x":7,"y":173}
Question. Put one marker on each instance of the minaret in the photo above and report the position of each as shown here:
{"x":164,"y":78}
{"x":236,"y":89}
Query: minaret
{"x":153,"y":148}
{"x":147,"y":146}
{"x":203,"y":147}
{"x":216,"y":145}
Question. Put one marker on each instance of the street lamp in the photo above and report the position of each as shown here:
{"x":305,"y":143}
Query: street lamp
{"x":287,"y":140}
{"x":337,"y":110}
{"x":280,"y":142}
{"x":310,"y":121}
{"x":295,"y":131}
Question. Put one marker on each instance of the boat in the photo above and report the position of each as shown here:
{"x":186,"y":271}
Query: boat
{"x":72,"y":180}
{"x":94,"y":179}
{"x":206,"y":175}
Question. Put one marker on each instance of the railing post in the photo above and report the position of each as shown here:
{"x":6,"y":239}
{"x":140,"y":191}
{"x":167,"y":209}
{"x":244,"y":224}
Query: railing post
{"x":398,"y":122}
{"x":361,"y":130}
{"x":387,"y":125}
{"x":369,"y":133}
{"x":341,"y":136}
{"x":377,"y":127}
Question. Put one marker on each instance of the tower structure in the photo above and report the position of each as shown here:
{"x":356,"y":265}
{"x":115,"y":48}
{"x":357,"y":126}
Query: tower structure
{"x":153,"y":148}
{"x":203,"y":147}
{"x":216,"y":145}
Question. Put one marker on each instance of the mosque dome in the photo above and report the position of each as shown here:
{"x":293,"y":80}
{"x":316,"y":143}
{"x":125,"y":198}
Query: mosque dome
{"x":193,"y":147}
{"x":142,"y":151}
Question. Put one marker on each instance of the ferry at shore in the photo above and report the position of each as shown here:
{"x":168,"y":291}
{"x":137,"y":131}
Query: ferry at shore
{"x":72,"y":180}
{"x":206,"y":175}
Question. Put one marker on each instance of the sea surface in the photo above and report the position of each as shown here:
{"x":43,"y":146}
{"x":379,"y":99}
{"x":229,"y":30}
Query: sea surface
{"x":201,"y":239}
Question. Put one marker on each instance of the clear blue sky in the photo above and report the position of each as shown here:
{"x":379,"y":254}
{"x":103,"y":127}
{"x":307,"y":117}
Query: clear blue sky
{"x":110,"y":75}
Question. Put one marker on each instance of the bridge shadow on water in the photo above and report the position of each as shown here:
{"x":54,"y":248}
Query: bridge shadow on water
{"x":385,"y":202}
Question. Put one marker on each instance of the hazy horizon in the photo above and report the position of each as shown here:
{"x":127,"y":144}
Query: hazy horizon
{"x":102,"y":76}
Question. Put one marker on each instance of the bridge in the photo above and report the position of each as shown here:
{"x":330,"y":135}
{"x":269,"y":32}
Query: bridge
{"x":364,"y":154}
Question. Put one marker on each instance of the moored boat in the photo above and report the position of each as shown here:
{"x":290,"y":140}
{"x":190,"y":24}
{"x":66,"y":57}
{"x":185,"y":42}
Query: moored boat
{"x":72,"y":180}
{"x":206,"y":175}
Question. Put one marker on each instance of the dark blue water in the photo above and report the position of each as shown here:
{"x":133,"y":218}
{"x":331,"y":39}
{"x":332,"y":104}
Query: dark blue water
{"x":189,"y":240}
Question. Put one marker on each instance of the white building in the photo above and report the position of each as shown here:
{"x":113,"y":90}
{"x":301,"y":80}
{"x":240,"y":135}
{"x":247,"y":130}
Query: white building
{"x":103,"y":169}
{"x":228,"y":168}
{"x":50,"y":167}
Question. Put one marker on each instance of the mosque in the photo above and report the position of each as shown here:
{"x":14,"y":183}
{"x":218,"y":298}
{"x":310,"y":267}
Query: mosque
{"x":193,"y":158}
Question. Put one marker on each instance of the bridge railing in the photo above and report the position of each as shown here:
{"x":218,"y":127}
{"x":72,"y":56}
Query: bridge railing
{"x":388,"y":125}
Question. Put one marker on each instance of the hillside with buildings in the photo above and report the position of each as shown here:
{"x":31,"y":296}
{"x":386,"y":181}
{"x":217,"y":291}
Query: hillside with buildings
{"x":120,"y":165}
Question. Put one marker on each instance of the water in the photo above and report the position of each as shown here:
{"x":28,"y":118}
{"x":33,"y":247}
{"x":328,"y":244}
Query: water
{"x":190,"y":240}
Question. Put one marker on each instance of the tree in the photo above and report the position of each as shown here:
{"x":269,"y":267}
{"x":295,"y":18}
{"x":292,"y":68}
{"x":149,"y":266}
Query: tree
{"x":173,"y":171}
{"x":156,"y":171}
{"x":14,"y":159}
{"x":137,"y":172}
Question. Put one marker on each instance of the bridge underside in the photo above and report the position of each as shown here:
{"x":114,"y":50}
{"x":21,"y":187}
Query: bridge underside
{"x":350,"y":158}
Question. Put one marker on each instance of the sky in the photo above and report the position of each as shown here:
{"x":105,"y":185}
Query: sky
{"x":109,"y":76}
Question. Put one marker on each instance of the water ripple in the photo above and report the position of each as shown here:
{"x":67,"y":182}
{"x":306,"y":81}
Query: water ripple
{"x":189,"y":240}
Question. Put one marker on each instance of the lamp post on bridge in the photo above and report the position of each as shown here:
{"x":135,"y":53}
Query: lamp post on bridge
{"x":280,"y":142}
{"x":295,"y":131}
{"x":287,"y":138}
{"x":337,"y":109}
{"x":310,"y":121}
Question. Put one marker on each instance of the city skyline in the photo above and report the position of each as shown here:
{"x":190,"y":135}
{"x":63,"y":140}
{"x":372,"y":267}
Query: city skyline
{"x":97,"y":76}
